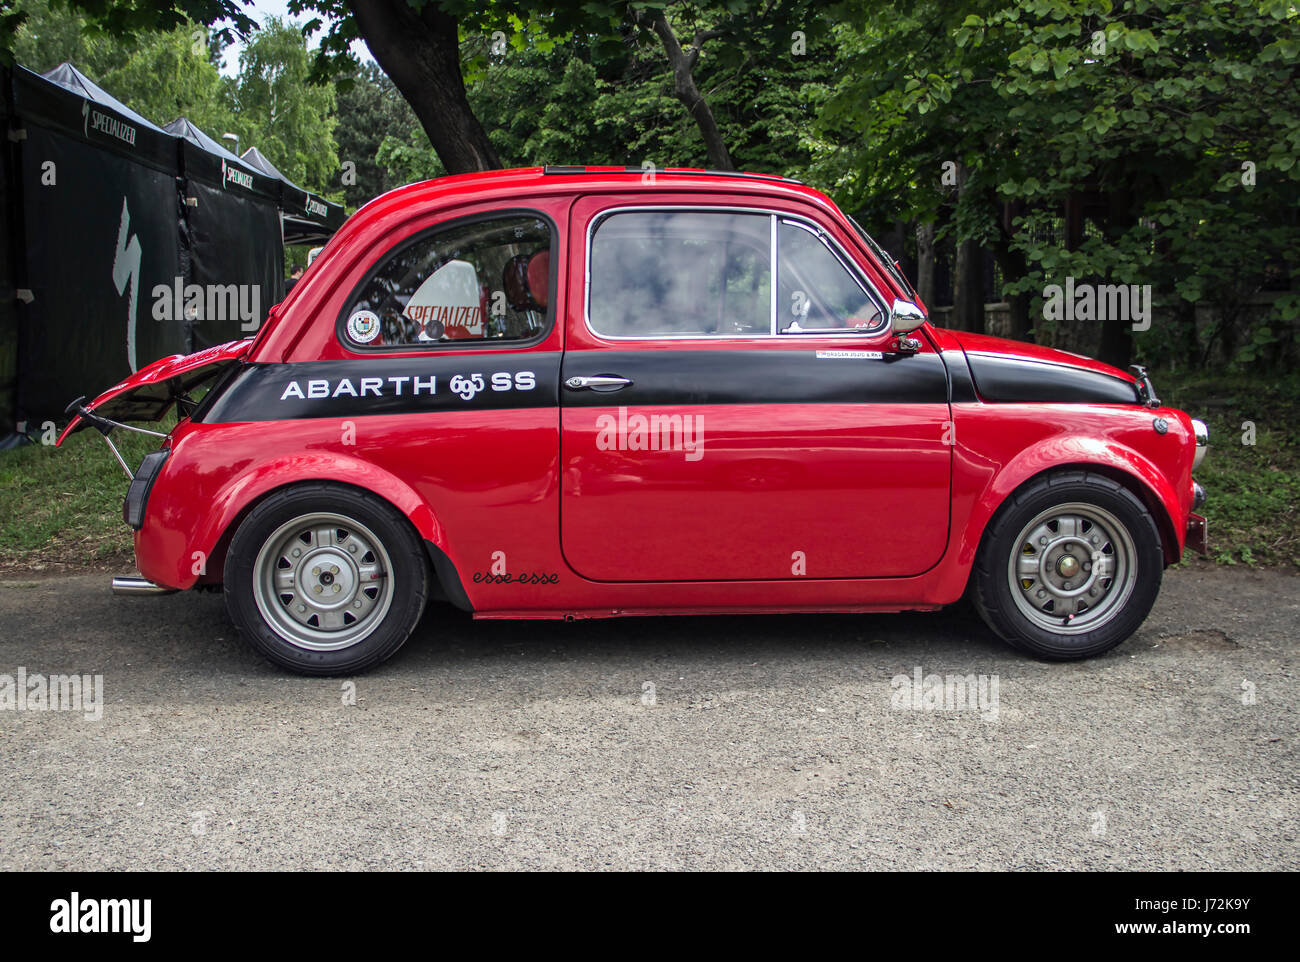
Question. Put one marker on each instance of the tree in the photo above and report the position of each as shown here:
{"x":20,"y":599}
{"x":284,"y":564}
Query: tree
{"x":370,"y":110}
{"x":683,"y":63}
{"x":1137,"y":117}
{"x":125,"y":18}
{"x":288,"y":119}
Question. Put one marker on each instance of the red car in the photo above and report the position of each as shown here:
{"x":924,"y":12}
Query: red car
{"x":587,"y":392}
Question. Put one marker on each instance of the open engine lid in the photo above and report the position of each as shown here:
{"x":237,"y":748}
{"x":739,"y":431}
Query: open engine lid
{"x":148,"y":394}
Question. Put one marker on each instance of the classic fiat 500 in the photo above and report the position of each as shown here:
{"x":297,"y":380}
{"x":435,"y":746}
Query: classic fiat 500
{"x":585,"y":392}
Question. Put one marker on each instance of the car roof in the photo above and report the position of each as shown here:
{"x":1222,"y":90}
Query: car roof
{"x":580,"y":179}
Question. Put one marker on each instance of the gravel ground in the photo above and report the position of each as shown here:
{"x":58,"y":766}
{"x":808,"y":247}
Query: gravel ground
{"x":764,"y":742}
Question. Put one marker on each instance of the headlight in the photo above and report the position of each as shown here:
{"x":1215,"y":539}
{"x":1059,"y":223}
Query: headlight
{"x":1202,"y":442}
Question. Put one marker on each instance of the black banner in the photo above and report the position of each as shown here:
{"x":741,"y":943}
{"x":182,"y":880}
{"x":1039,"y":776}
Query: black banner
{"x":101,"y":235}
{"x":126,"y":242}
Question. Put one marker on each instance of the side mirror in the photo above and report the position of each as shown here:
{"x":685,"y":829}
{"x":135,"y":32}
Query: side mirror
{"x":905,"y":317}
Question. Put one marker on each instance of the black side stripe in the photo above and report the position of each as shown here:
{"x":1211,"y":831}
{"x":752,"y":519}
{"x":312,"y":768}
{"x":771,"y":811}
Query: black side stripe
{"x":961,"y":389}
{"x":380,"y":385}
{"x":1009,"y":379}
{"x":376,"y":385}
{"x":757,"y":377}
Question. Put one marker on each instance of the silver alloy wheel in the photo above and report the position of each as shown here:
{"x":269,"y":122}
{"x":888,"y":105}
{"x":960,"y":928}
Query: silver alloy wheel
{"x":323,"y":581}
{"x":1072,"y":568}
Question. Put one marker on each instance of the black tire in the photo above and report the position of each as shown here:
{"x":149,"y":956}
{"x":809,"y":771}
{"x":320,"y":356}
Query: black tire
{"x":365,"y":527}
{"x":1082,"y":498}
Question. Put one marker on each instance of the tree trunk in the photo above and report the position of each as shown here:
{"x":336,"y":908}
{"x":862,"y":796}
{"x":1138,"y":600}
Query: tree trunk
{"x":1013,"y":267}
{"x":683,"y":64}
{"x":420,"y":52}
{"x":1117,"y":333}
{"x":967,"y":277}
{"x":968,"y":289}
{"x":925,"y":263}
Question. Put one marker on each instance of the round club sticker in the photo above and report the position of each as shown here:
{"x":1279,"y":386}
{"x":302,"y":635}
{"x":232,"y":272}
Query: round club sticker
{"x":363,"y":326}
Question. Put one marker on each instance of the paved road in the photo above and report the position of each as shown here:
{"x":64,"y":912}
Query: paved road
{"x":771,"y":742}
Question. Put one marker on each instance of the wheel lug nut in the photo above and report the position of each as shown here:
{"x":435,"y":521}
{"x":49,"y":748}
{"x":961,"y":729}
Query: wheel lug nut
{"x":317,"y":589}
{"x":1068,"y":586}
{"x":1042,"y":541}
{"x":338,"y":588}
{"x":316,"y":572}
{"x":334,"y":569}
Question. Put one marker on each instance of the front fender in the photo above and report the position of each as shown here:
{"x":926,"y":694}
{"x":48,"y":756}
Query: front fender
{"x":984,"y":479}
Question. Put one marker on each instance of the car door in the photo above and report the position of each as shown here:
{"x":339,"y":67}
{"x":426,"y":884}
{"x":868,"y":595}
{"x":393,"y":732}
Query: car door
{"x":716,"y":425}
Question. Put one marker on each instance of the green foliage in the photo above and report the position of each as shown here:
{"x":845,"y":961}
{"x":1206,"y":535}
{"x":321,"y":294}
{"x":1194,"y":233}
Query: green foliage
{"x":165,"y":74}
{"x":1176,"y":123}
{"x":1253,"y":489}
{"x":289,"y":120}
{"x":370,"y":111}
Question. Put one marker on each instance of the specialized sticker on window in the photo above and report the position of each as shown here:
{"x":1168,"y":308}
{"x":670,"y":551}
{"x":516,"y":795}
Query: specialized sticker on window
{"x":449,"y":303}
{"x":363,"y":326}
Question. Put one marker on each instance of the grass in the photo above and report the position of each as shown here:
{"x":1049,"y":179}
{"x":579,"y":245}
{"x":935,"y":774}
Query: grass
{"x":1253,"y":489}
{"x":62,"y":507}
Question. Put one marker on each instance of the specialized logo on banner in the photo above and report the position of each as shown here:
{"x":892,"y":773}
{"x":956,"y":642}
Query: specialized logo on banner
{"x":449,"y":303}
{"x":105,"y":124}
{"x":240,"y":177}
{"x":126,"y":270}
{"x":316,"y":207}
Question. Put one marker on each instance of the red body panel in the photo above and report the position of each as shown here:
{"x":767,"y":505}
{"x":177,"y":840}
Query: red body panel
{"x":886,"y":502}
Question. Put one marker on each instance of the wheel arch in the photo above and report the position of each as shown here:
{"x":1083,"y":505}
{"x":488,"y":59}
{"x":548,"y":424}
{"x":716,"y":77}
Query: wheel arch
{"x":1130,"y":470}
{"x":244,"y":493}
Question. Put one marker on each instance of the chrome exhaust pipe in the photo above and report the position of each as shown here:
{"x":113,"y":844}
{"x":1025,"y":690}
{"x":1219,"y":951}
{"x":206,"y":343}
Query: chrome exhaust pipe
{"x":138,"y":586}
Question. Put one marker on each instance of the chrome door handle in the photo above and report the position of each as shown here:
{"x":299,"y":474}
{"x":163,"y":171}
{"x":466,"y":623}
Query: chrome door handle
{"x":606,"y":382}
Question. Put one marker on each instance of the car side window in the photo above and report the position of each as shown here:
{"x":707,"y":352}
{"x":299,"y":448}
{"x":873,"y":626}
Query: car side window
{"x":475,"y":281}
{"x":815,"y":290}
{"x":681,"y":273}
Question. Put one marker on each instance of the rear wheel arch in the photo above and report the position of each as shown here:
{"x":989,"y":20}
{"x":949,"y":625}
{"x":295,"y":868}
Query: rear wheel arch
{"x":430,"y":531}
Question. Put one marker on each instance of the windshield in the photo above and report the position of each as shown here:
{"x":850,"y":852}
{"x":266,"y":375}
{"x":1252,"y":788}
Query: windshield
{"x":886,"y":259}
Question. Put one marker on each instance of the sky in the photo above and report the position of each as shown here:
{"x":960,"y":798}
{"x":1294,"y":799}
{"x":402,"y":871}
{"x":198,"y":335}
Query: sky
{"x":260,"y":10}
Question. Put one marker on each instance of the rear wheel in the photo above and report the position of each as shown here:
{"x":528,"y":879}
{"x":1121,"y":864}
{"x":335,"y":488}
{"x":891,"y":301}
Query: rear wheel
{"x":324,"y":579}
{"x":1070,"y":567}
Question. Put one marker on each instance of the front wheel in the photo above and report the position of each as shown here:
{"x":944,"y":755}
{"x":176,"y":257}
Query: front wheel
{"x":325,"y":579}
{"x":1069,"y":567}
